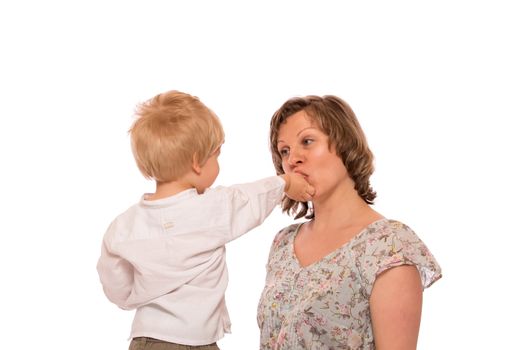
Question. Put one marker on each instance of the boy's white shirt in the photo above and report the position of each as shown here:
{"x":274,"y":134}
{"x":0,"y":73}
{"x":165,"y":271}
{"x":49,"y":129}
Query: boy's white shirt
{"x":166,"y":258}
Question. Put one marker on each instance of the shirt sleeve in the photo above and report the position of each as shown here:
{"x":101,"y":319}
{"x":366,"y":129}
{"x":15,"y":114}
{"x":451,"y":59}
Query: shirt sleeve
{"x":116,"y":276}
{"x":250,"y":204}
{"x":396,"y":245}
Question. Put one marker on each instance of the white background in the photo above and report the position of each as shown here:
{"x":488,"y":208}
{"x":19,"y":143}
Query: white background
{"x":438,"y":87}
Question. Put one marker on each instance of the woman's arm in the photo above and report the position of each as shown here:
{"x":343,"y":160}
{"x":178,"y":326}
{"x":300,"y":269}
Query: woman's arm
{"x":395,"y":306}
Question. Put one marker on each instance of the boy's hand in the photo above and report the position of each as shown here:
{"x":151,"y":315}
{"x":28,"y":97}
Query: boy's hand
{"x":297,"y":188}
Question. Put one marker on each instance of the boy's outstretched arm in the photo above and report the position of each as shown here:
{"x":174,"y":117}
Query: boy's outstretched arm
{"x":250,"y":204}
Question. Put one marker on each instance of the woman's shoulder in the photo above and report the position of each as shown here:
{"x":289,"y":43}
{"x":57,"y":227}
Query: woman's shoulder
{"x":286,"y":234}
{"x":385,"y":229}
{"x":389,"y":243}
{"x":288,"y":231}
{"x":386,"y":235}
{"x":282,"y":241}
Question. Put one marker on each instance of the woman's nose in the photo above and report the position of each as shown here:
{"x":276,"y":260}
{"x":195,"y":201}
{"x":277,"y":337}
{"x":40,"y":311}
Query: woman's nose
{"x":295,"y":157}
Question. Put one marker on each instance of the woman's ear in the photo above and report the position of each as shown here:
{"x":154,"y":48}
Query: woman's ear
{"x":195,"y":166}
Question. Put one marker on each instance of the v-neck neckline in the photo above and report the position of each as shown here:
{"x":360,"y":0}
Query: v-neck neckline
{"x":333,"y":252}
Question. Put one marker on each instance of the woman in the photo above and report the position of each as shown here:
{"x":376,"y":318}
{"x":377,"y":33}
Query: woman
{"x":348,"y":278}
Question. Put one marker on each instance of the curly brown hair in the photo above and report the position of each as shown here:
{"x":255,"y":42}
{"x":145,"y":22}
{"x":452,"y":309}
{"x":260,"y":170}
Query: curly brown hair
{"x":338,"y":121}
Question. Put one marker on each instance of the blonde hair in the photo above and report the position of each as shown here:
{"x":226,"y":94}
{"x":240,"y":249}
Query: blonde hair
{"x":338,"y":121}
{"x":171,"y":129}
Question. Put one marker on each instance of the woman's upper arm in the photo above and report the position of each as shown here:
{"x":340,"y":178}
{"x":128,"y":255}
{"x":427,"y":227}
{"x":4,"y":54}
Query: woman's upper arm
{"x":395,"y":307}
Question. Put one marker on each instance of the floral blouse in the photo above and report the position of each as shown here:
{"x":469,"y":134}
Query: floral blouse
{"x":325,"y":305}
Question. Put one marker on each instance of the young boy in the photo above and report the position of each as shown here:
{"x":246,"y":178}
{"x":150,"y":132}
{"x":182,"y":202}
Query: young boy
{"x":165,"y":256}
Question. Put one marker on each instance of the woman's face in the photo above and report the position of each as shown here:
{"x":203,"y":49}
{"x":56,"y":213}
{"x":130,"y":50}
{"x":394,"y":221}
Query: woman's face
{"x":303,"y":147}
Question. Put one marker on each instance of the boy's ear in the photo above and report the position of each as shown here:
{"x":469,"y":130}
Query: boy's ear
{"x":195,"y":166}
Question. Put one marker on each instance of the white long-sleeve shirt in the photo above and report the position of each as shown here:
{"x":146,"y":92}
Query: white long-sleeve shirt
{"x":166,"y":258}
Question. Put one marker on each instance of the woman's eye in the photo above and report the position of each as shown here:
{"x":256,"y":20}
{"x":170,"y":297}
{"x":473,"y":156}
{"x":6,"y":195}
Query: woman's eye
{"x":307,"y":141}
{"x":283,"y":152}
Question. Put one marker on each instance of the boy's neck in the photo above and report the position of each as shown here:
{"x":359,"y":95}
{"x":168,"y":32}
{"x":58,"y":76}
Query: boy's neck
{"x":168,"y":189}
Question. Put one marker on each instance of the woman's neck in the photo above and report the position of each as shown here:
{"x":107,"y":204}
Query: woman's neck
{"x":343,"y":208}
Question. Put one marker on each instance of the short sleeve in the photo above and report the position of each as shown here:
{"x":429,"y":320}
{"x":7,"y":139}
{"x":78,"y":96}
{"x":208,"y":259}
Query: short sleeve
{"x":395,"y":244}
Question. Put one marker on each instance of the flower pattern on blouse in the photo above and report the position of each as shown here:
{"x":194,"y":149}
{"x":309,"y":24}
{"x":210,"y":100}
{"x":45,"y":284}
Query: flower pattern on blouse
{"x":325,"y":305}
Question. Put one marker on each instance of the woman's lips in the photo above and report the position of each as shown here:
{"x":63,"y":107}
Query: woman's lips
{"x":301,"y":173}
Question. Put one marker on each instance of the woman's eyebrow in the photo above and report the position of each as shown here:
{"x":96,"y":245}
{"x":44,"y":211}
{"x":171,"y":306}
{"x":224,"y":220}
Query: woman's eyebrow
{"x":310,"y":127}
{"x":300,"y":131}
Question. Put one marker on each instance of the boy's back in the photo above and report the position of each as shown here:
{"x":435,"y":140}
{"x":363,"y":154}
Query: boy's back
{"x":166,"y":258}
